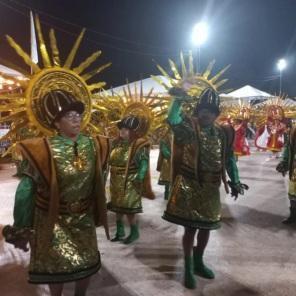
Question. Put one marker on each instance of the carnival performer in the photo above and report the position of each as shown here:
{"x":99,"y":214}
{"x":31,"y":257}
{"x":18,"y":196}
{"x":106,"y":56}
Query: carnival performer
{"x":129,"y":165}
{"x":241,"y":146}
{"x":270,"y":136}
{"x":164,"y":163}
{"x":202,"y":153}
{"x":60,"y":199}
{"x":288,"y":165}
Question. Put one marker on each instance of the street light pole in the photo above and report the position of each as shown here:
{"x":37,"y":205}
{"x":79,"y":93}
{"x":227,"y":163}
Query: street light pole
{"x":280,"y":81}
{"x":199,"y":37}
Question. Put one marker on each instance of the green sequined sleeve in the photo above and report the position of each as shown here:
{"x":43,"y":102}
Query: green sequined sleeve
{"x":24,"y":203}
{"x":142,"y":162}
{"x":286,"y":154}
{"x":232,"y":169}
{"x":180,"y":125}
{"x":165,"y":149}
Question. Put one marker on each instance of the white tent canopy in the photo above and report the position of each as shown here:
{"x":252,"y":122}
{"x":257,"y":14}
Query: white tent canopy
{"x":148,"y":84}
{"x":248,"y":93}
{"x":10,"y":72}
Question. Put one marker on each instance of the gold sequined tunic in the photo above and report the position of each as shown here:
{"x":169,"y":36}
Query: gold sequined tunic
{"x":125,"y":190}
{"x":196,"y":203}
{"x":72,"y":253}
{"x":195,"y":198}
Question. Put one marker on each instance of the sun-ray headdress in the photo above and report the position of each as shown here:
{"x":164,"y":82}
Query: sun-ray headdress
{"x":236,"y":110}
{"x":198,"y":81}
{"x":25,"y":108}
{"x":278,"y":107}
{"x":149,"y":108}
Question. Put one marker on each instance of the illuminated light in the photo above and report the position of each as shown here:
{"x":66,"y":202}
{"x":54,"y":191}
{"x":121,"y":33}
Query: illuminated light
{"x":9,"y":82}
{"x":281,"y":64}
{"x":200,"y":33}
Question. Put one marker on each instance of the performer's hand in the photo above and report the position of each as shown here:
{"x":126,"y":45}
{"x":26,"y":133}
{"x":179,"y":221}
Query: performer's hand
{"x":179,"y":93}
{"x":282,"y":168}
{"x":17,"y":237}
{"x":22,"y":244}
{"x":238,"y":188}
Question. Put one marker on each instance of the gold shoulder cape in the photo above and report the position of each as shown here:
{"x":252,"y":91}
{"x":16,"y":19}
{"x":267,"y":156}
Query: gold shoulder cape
{"x":37,"y":151}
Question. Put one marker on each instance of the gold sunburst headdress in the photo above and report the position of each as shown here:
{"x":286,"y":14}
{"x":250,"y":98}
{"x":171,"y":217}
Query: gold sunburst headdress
{"x":187,"y":74}
{"x":25,"y":109}
{"x":149,"y":108}
{"x":235,"y":110}
{"x":275,"y":108}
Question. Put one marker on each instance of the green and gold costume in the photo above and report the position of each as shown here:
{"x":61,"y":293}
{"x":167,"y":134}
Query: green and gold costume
{"x":164,"y":163}
{"x":62,"y":199}
{"x":164,"y":160}
{"x":289,"y":164}
{"x":201,"y":157}
{"x":129,"y":164}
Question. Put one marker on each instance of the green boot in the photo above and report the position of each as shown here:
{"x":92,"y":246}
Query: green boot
{"x":200,"y":268}
{"x":134,"y":234}
{"x":189,"y":279}
{"x":120,"y":233}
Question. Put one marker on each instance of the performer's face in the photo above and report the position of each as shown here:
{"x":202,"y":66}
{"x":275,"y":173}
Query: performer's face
{"x":70,"y":124}
{"x":124,"y":133}
{"x":206,"y":117}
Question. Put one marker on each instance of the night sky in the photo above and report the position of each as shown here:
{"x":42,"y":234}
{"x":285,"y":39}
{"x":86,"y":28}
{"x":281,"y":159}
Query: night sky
{"x":251,"y":35}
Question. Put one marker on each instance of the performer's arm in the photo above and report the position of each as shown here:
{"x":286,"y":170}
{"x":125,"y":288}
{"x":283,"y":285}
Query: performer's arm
{"x":232,"y":169}
{"x":174,"y":114}
{"x":24,"y":203}
{"x":182,"y":129}
{"x":236,"y":186}
{"x":20,"y":233}
{"x":142,"y":161}
{"x":165,"y":149}
{"x":283,"y":166}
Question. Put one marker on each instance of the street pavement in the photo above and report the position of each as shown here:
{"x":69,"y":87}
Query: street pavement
{"x":252,"y":254}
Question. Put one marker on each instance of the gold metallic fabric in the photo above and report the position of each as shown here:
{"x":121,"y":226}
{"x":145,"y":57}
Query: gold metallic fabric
{"x":195,"y":202}
{"x":73,"y":251}
{"x":125,"y":197}
{"x":165,"y":172}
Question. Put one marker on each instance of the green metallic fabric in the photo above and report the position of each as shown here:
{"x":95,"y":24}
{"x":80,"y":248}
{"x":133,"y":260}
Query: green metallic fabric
{"x":165,"y":149}
{"x":292,"y":180}
{"x":232,"y":169}
{"x":164,"y":160}
{"x":174,"y":113}
{"x":73,"y":252}
{"x":125,"y":191}
{"x":285,"y":155}
{"x":24,"y":203}
{"x":195,"y":202}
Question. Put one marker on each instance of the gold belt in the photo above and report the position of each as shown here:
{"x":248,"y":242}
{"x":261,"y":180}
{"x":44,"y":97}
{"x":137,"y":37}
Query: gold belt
{"x":207,"y":177}
{"x":121,"y":170}
{"x":73,"y":207}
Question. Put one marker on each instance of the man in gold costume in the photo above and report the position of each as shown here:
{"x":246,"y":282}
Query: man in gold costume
{"x":288,"y":165}
{"x":60,"y":199}
{"x":202,"y":153}
{"x":129,"y":162}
